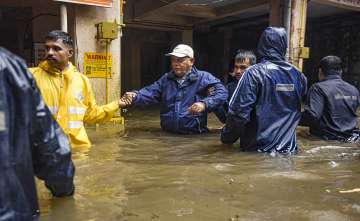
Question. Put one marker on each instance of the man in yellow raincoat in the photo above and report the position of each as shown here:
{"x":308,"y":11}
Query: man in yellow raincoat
{"x":67,"y":92}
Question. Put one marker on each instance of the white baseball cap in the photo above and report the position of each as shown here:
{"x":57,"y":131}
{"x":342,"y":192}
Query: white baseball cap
{"x":181,"y":51}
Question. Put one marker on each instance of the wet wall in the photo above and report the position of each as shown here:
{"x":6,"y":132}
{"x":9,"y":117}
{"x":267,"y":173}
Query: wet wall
{"x":337,"y":35}
{"x":217,"y":47}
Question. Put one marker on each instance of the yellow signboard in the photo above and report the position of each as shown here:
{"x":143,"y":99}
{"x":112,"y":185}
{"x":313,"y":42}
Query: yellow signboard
{"x":95,"y":65}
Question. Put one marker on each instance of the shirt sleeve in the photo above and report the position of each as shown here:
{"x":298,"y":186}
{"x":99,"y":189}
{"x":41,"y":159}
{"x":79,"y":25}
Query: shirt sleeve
{"x":98,"y":113}
{"x":218,"y":97}
{"x":150,"y":94}
{"x":314,"y":107}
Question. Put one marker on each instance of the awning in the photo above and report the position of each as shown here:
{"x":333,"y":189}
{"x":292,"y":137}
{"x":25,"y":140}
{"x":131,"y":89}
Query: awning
{"x":346,"y":4}
{"x":102,"y":3}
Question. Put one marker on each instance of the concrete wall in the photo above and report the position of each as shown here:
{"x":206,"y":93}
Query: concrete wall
{"x":85,"y":32}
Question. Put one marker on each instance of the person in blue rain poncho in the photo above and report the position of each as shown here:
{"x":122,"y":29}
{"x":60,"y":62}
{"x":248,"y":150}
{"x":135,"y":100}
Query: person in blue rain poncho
{"x":265,"y":108}
{"x":182,"y":94}
{"x":31,"y":143}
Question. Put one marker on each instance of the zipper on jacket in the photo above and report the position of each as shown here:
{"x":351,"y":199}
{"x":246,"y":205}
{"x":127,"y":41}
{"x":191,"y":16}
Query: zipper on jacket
{"x":62,"y":79}
{"x":199,"y":126}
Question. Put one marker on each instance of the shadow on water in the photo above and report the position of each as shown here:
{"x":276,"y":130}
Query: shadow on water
{"x":143,"y":173}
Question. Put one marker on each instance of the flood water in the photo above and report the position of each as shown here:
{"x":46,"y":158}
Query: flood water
{"x":144,"y":173}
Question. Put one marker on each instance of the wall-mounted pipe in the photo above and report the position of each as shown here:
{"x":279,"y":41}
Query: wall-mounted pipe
{"x":297,"y":31}
{"x":63,"y":18}
{"x":302,"y":31}
{"x":287,"y":24}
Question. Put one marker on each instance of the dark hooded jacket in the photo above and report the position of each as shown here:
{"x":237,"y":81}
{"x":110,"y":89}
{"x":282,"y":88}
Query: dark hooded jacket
{"x":221,"y":112}
{"x":31,"y":143}
{"x":175,"y":100}
{"x":266,"y":106}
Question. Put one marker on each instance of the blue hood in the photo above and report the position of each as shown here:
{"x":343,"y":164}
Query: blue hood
{"x":272,"y":44}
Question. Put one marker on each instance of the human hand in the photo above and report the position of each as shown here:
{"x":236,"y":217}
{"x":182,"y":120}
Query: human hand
{"x":210,"y":91}
{"x":123,"y":103}
{"x":128,"y":98}
{"x":197,"y":108}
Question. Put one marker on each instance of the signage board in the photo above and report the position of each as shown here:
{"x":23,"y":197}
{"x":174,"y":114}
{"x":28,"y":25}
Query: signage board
{"x":95,"y":65}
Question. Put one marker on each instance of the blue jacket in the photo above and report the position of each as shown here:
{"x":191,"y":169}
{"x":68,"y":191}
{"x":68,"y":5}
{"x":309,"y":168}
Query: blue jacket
{"x":175,"y":100}
{"x":221,"y":111}
{"x":266,"y":106}
{"x":31,"y":143}
{"x":231,"y":87}
{"x":330,"y":109}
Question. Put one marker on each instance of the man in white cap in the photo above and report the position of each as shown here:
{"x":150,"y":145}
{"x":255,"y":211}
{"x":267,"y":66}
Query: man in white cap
{"x":182,"y":94}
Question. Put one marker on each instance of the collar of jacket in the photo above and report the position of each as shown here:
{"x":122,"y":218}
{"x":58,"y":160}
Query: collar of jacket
{"x":54,"y":71}
{"x":274,"y":59}
{"x":332,"y":76}
{"x":192,"y":76}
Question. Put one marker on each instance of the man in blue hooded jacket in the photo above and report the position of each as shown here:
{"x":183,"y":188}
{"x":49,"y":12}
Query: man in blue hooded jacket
{"x":266,"y":106}
{"x":31,"y":143}
{"x":182,"y":94}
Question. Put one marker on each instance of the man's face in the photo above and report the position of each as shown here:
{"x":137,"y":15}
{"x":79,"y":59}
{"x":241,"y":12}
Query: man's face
{"x":181,"y":66}
{"x":57,"y":53}
{"x":240,"y":67}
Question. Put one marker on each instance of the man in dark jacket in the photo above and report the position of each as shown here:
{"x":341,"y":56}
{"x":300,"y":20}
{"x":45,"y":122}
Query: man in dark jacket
{"x":266,"y":106}
{"x":31,"y":143}
{"x":331,"y":104}
{"x":243,"y":60}
{"x":183,"y":94}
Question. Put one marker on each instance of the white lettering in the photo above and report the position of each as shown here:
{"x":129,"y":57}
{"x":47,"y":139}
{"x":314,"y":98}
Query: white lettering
{"x":285,"y":87}
{"x":2,"y":121}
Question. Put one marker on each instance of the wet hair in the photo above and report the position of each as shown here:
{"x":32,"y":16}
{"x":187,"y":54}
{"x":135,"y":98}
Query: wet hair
{"x":242,"y":55}
{"x":331,"y":65}
{"x":57,"y":34}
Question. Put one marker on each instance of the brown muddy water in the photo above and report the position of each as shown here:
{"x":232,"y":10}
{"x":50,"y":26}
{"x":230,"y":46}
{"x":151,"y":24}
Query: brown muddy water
{"x":143,"y":173}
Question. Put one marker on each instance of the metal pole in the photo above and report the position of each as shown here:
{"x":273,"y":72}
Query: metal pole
{"x":303,"y":30}
{"x":106,"y":71}
{"x":287,"y":23}
{"x":63,"y":18}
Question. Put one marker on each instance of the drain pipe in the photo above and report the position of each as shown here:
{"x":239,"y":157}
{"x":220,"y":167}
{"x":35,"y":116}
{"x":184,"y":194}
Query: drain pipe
{"x":302,"y":31}
{"x":287,"y":24}
{"x":63,"y":18}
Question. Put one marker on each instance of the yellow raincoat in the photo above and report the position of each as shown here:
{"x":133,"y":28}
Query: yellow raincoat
{"x":70,"y":98}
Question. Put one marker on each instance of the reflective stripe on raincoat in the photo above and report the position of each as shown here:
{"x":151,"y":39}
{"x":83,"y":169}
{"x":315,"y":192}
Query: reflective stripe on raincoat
{"x":71,"y":100}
